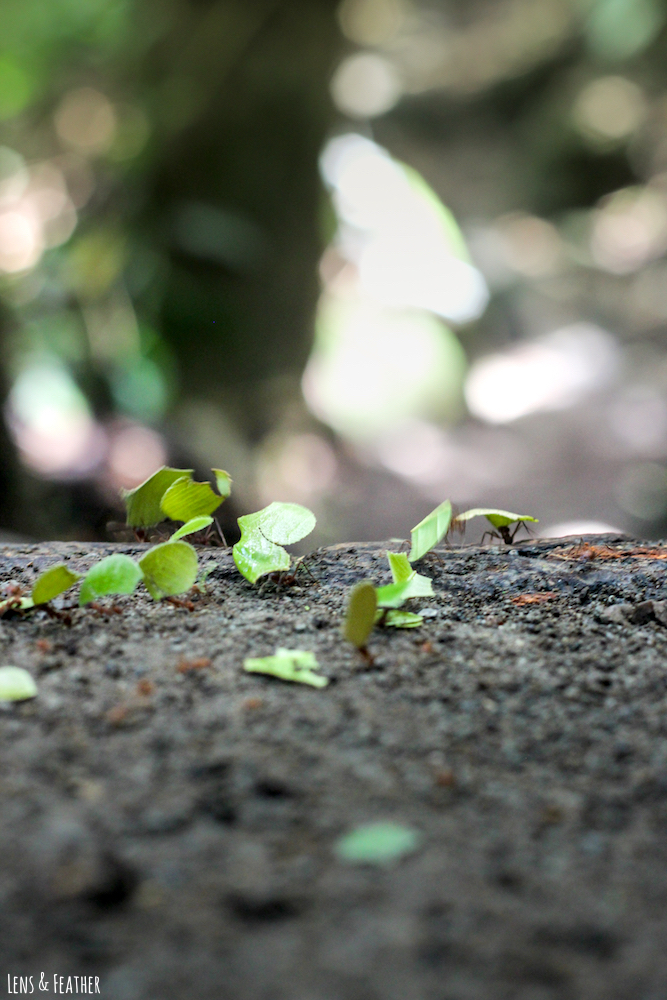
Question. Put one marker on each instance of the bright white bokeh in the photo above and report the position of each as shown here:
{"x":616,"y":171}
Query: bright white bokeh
{"x":407,"y":247}
{"x":549,"y":373}
{"x":51,"y":422}
{"x":372,"y":367}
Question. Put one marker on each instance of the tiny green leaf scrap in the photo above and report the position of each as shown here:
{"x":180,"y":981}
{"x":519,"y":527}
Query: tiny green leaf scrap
{"x":116,"y":574}
{"x":195,"y":524}
{"x":186,"y":499}
{"x":360,"y":614}
{"x":53,"y":581}
{"x":259,"y":550}
{"x":430,"y":531}
{"x":16,"y":604}
{"x":169,"y":569}
{"x":378,"y":843}
{"x":142,"y":504}
{"x":296,"y":665}
{"x":16,"y":684}
{"x":223,"y":481}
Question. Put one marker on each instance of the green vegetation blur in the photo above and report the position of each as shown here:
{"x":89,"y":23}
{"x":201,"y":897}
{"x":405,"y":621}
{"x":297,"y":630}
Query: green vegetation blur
{"x":319,"y":243}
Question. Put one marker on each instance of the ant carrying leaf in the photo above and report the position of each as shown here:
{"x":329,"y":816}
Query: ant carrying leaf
{"x":501,"y":520}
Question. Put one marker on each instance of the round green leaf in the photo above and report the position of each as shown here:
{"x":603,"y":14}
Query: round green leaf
{"x":186,"y":499}
{"x":169,"y":569}
{"x":286,"y":523}
{"x":53,"y":581}
{"x":16,"y":684}
{"x":378,"y":843}
{"x":117,"y":574}
{"x":360,"y":614}
{"x":142,"y":504}
{"x":254,"y":554}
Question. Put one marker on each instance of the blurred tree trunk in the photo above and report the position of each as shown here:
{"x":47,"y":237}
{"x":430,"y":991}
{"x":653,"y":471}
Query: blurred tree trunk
{"x":237,"y":193}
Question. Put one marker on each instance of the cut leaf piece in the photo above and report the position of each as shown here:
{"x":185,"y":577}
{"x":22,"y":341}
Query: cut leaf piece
{"x":289,"y":665}
{"x":285,"y":523}
{"x":378,"y":843}
{"x":400,"y":567}
{"x":186,"y":499}
{"x":430,"y":531}
{"x":117,"y":574}
{"x":254,"y":554}
{"x":360,"y":614}
{"x":142,"y":504}
{"x":498,"y":518}
{"x":169,"y":569}
{"x":223,"y":481}
{"x":399,"y":619}
{"x":16,"y":604}
{"x":196,"y":524}
{"x":53,"y":581}
{"x":393,"y":595}
{"x":16,"y":684}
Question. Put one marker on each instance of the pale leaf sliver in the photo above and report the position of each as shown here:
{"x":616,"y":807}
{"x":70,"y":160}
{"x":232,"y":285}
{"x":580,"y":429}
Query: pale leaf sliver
{"x":169,"y":569}
{"x":142,"y":504}
{"x":16,"y":684}
{"x":195,"y":524}
{"x":360,"y":614}
{"x":430,"y":531}
{"x":399,"y":619}
{"x":297,"y":665}
{"x":186,"y":499}
{"x":116,"y":574}
{"x":285,"y":523}
{"x":52,"y":582}
{"x":498,"y":518}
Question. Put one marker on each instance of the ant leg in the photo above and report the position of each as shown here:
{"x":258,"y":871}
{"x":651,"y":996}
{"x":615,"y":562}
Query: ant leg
{"x":491,"y":534}
{"x":301,"y":561}
{"x":220,"y":532}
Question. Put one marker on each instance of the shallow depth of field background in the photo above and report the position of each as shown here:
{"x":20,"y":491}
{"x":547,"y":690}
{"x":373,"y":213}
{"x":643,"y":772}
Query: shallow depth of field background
{"x":365,"y":255}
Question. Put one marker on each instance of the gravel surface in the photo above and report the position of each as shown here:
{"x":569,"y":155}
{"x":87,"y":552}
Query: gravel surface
{"x":168,"y":822}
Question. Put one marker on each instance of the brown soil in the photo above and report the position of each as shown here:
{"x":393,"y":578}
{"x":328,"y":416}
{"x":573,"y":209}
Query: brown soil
{"x":168,"y":821}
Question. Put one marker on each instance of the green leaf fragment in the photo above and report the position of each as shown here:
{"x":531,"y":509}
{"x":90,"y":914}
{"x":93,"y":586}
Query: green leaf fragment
{"x":223,"y":481}
{"x":53,"y":581}
{"x":195,"y":524}
{"x":378,"y":843}
{"x":169,"y":569}
{"x":16,"y":604}
{"x":142,"y":504}
{"x":498,"y":518}
{"x":393,"y":595}
{"x":285,"y":523}
{"x":255,"y":555}
{"x":430,"y":531}
{"x":399,"y":619}
{"x":360,"y":614}
{"x":296,"y":665}
{"x":117,"y":574}
{"x":400,"y":567}
{"x":16,"y":684}
{"x":186,"y":499}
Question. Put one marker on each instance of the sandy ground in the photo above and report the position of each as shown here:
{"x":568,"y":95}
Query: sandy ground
{"x":168,"y":822}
